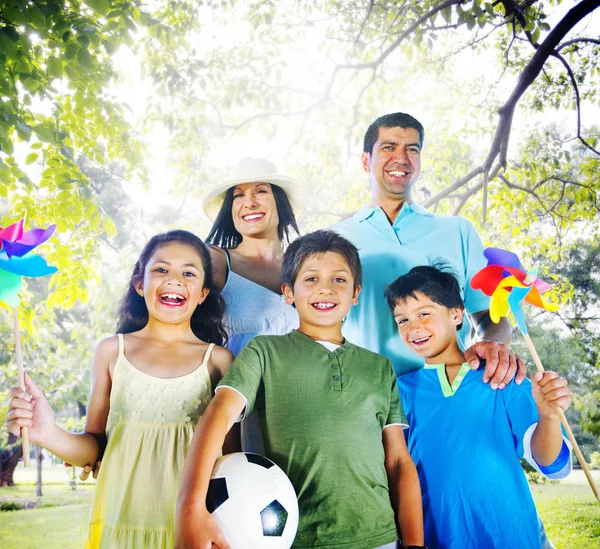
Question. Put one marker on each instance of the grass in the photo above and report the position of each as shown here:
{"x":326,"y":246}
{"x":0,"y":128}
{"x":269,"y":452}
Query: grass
{"x":569,"y":510}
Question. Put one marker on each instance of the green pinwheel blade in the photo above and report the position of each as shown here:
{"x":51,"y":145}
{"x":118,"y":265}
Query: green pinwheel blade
{"x":10,"y":284}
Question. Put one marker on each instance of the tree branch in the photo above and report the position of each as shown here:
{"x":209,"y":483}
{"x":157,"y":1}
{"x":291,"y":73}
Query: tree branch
{"x":577,"y":100}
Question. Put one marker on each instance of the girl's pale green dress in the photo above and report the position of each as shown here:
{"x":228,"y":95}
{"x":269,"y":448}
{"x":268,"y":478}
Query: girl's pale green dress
{"x":150,"y":427}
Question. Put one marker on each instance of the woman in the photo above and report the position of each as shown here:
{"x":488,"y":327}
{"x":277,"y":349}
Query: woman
{"x":254,"y":221}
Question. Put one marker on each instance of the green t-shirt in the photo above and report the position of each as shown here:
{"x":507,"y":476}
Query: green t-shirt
{"x":322,"y":414}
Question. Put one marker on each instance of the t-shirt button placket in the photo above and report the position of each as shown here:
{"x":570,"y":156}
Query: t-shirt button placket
{"x":336,"y":377}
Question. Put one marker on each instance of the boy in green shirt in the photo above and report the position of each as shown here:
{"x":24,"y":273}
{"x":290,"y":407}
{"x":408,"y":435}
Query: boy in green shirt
{"x":330,"y":413}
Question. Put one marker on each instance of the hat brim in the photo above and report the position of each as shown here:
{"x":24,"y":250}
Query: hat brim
{"x":214,"y":199}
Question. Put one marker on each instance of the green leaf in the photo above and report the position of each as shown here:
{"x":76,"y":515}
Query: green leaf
{"x":30,"y":84}
{"x":95,"y":220}
{"x":31,"y":158}
{"x":36,"y":17}
{"x":109,"y":227}
{"x":71,"y":50}
{"x":43,"y":134}
{"x":447,"y":14}
{"x":55,"y":68}
{"x":85,"y":58}
{"x":10,"y":33}
{"x":23,"y":127}
{"x":101,"y":6}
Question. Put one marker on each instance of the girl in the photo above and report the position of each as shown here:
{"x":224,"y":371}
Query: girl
{"x":150,"y":384}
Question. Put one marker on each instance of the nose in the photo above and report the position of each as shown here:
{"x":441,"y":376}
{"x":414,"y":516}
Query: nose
{"x":174,"y":281}
{"x":326,"y":287}
{"x":400,"y":155}
{"x":249,"y":200}
{"x":413,"y":326}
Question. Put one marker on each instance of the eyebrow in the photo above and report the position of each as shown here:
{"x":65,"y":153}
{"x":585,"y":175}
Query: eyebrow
{"x":265,"y":184}
{"x":337,"y":271}
{"x":168,"y":263}
{"x":383,"y":143}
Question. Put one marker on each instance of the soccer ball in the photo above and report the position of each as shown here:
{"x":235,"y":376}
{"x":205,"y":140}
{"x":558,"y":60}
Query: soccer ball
{"x":253,"y":502}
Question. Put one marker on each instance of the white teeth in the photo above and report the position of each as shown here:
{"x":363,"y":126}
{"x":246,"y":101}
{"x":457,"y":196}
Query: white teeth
{"x":172,"y":296}
{"x":252,"y":217}
{"x":398,"y":174}
{"x":420,"y":340}
{"x":324,"y":305}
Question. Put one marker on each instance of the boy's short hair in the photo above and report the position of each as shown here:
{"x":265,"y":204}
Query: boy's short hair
{"x":436,"y":281}
{"x":316,"y":243}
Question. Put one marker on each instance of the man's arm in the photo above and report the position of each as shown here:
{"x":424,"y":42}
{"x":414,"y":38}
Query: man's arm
{"x":405,"y":490}
{"x":501,"y":363}
{"x":194,"y":526}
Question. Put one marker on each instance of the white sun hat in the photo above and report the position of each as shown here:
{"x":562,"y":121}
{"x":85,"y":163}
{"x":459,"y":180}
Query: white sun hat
{"x":251,"y":170}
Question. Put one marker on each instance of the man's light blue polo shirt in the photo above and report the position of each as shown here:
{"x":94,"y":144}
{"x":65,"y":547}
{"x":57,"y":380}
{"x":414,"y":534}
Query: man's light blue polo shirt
{"x":388,"y":251}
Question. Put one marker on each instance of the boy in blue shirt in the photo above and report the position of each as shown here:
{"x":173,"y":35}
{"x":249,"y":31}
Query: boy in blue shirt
{"x":464,"y":439}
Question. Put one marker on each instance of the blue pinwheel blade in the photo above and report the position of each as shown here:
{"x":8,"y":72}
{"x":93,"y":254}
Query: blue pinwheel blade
{"x":30,"y":265}
{"x":514,"y":301}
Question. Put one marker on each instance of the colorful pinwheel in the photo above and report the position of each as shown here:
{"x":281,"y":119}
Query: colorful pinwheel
{"x":16,"y":262}
{"x":507,"y":283}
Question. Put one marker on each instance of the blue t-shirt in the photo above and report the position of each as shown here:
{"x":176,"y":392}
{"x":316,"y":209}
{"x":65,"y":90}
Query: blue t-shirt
{"x":465,"y":441}
{"x":389,"y":251}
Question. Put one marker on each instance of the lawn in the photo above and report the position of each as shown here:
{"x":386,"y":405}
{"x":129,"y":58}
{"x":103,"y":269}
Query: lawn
{"x":569,"y":510}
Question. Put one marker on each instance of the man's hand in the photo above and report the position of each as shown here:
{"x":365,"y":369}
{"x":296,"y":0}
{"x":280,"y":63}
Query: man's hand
{"x":549,"y":392}
{"x":501,"y":364}
{"x":199,"y":532}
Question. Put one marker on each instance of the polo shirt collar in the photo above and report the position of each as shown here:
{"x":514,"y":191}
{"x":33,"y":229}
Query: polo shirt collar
{"x":368,"y":211}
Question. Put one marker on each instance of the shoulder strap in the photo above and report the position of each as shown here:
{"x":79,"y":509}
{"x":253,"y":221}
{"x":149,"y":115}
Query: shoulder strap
{"x":207,"y":354}
{"x":228,"y":259}
{"x":121,"y":344}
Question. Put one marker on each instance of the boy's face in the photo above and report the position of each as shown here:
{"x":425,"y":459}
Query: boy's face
{"x":323,"y":291}
{"x":427,"y":328}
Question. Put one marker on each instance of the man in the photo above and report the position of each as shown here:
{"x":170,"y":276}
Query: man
{"x":394,"y":234}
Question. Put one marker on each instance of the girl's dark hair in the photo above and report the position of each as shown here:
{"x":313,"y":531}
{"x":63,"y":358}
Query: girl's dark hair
{"x":224,"y":234}
{"x":207,"y":320}
{"x":436,"y":281}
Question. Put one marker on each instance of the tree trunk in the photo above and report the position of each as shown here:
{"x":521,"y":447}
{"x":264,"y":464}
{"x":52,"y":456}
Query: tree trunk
{"x":9,"y":458}
{"x":38,"y":484}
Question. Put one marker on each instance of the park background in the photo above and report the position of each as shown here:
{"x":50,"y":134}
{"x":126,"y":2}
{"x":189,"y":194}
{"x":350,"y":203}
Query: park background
{"x":116,"y":118}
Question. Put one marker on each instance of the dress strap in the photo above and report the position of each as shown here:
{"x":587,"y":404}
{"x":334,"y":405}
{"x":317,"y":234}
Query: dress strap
{"x":207,"y":354}
{"x":228,"y":258}
{"x":121,"y":344}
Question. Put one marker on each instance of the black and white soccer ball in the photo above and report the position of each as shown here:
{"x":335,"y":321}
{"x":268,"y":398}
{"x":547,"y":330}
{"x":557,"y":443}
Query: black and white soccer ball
{"x":253,"y":502}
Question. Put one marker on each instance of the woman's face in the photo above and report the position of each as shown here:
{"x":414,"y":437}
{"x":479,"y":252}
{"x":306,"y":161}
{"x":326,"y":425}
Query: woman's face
{"x":254,"y":210}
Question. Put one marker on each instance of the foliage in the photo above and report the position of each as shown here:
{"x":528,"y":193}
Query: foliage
{"x":55,"y":107}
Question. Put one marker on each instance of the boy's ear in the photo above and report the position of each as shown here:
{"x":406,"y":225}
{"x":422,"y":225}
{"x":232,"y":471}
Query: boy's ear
{"x":457,"y":315}
{"x":288,"y":293}
{"x":355,"y":296}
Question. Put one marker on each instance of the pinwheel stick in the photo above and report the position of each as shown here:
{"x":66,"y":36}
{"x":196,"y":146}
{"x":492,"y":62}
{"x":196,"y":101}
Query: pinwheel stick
{"x":21,"y":377}
{"x":564,"y":421}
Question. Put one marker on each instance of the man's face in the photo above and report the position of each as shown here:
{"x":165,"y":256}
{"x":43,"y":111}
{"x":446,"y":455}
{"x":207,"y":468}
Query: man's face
{"x":394,"y":164}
